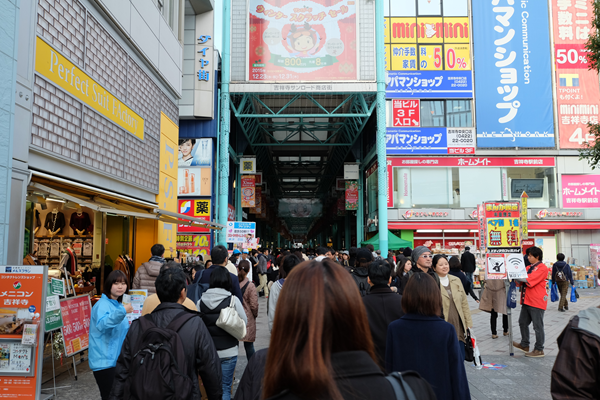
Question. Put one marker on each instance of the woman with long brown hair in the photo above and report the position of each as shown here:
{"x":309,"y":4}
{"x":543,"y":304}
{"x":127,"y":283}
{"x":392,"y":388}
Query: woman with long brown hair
{"x":321,"y":346}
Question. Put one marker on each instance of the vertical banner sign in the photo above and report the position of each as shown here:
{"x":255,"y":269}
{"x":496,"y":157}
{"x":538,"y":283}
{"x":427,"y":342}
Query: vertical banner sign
{"x":524,"y":229}
{"x":503,"y":227}
{"x":351,"y":195}
{"x":577,"y":88}
{"x":258,"y":201}
{"x":312,"y":40}
{"x":248,"y":191}
{"x":406,"y":113}
{"x":513,"y":74}
{"x":77,"y":313}
{"x":167,"y":187}
{"x":482,"y":234}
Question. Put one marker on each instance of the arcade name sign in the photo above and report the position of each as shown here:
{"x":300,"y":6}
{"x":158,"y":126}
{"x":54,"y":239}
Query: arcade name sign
{"x":424,"y":214}
{"x":559,"y":214}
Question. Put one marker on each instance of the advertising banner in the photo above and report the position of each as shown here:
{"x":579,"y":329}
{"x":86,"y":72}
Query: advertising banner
{"x":194,"y":181}
{"x":194,"y":244}
{"x":248,"y":191}
{"x":580,"y":191}
{"x":77,"y":313}
{"x":513,"y":74}
{"x":524,"y":220}
{"x":258,"y":203}
{"x":240,"y":232}
{"x":472,"y":162}
{"x":429,"y":84}
{"x":406,"y":113}
{"x":292,"y":40}
{"x":351,"y":195}
{"x":577,"y":88}
{"x":53,"y":319}
{"x":503,"y":227}
{"x":195,"y":152}
{"x":430,"y":141}
{"x":197,"y":208}
{"x":481,"y":226}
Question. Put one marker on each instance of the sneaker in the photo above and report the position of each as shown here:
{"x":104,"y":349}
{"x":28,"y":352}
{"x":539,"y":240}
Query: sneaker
{"x":566,"y":308}
{"x":505,"y":333}
{"x":535,"y":353}
{"x":522,"y":348}
{"x":562,"y":310}
{"x":494,"y":336}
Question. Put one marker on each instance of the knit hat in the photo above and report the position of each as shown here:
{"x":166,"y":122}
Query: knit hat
{"x":364,"y":255}
{"x":407,"y":252}
{"x":418,"y":251}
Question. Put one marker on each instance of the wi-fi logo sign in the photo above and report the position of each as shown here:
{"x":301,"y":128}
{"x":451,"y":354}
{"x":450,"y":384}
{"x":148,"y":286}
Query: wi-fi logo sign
{"x":515,"y":262}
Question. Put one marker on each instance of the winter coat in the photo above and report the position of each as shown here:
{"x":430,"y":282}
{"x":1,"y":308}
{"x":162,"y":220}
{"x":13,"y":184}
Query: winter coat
{"x":576,"y":371}
{"x":274,"y":291}
{"x":383,"y":306}
{"x":201,"y":355}
{"x":262,"y":264}
{"x":467,"y":262}
{"x":250,"y":305}
{"x":460,"y":301}
{"x":428,"y":345}
{"x":121,"y":265}
{"x":493,"y":296}
{"x":250,"y":387}
{"x":565,"y":268}
{"x":212,"y":298}
{"x":235,"y":282}
{"x":108,"y":327}
{"x":403,"y":280}
{"x":360,"y":276}
{"x":534,"y":292}
{"x":146,"y":276}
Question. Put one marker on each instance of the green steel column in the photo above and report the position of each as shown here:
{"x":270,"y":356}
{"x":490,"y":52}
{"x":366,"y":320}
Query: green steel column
{"x":381,"y":132}
{"x":278,"y":239}
{"x":347,"y":231}
{"x":360,"y":213}
{"x":225,"y":115}
{"x":238,"y":195}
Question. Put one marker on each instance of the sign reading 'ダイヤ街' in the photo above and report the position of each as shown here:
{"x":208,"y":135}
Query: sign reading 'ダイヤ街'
{"x":60,"y":71}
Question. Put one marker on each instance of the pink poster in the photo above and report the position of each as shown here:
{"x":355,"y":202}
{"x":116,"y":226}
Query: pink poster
{"x":581,"y":191}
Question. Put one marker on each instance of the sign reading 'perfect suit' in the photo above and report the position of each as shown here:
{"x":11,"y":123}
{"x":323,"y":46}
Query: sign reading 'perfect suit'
{"x":59,"y":70}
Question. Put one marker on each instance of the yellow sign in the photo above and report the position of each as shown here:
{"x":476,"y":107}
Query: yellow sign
{"x":59,"y":70}
{"x":202,"y":208}
{"x":525,"y":229}
{"x":167,"y":192}
{"x":503,"y":227}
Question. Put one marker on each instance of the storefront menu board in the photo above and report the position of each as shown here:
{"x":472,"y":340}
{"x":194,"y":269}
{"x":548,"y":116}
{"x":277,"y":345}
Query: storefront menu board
{"x":76,"y":313}
{"x":22,"y":289}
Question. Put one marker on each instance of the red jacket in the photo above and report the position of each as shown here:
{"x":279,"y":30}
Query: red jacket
{"x":534,"y":293}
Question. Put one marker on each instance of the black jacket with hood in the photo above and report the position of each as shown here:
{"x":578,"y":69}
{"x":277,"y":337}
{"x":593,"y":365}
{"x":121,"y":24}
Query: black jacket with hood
{"x":202,"y":357}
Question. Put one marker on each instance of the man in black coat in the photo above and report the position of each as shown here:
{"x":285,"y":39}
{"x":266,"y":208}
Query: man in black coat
{"x":201,"y":355}
{"x":383,"y":306}
{"x":467,"y":262}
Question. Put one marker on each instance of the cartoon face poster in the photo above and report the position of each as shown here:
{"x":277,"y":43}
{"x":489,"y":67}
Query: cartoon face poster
{"x":292,"y":40}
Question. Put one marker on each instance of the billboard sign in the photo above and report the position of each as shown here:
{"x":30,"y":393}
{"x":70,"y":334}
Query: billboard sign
{"x":429,"y":84}
{"x":197,"y":208}
{"x":503,"y":232}
{"x":581,"y":191}
{"x":406,"y":113}
{"x":292,"y":40}
{"x":513,"y":74}
{"x":240,"y":232}
{"x":430,"y":141}
{"x":577,"y":88}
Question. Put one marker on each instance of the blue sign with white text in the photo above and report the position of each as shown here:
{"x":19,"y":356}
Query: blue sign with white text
{"x":416,"y":141}
{"x":513,"y":79}
{"x":429,"y":84}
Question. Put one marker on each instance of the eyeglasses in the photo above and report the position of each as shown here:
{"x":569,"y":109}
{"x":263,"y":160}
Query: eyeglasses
{"x":426,"y":256}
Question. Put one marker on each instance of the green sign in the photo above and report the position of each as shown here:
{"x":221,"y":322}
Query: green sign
{"x":57,"y":286}
{"x":53,"y":314}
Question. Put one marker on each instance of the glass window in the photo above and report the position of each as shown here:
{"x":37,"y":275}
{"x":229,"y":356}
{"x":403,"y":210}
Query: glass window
{"x":403,"y":8}
{"x":458,"y":114}
{"x":372,"y":192}
{"x":432,"y":113}
{"x":430,"y":7}
{"x":455,"y":8}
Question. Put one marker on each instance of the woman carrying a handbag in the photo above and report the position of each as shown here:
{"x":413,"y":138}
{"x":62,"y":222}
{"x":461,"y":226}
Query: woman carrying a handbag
{"x":224,"y":316}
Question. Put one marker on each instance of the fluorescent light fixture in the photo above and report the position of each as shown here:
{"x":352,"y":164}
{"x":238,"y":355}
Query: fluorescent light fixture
{"x":539,"y":230}
{"x":428,"y":230}
{"x":55,"y":200}
{"x":473,"y":231}
{"x":456,"y":230}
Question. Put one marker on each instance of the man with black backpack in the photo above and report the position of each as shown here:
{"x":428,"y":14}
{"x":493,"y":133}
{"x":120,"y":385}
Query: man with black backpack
{"x":360,"y":274}
{"x":165,"y":351}
{"x":562,"y":275}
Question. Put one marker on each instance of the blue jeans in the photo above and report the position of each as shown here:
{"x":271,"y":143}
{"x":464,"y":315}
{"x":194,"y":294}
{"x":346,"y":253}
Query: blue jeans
{"x":470,"y":278}
{"x":461,"y":346}
{"x":227,"y":369}
{"x":249,"y":347}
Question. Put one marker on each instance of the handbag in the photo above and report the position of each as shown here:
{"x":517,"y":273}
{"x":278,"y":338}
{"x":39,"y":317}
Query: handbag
{"x":230,"y":321}
{"x":511,"y":298}
{"x":469,"y":350}
{"x":573,"y":295}
{"x":554,"y":293}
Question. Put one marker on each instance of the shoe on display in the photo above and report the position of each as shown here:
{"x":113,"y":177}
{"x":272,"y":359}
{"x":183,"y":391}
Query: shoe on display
{"x":535,"y":353}
{"x":522,"y":348}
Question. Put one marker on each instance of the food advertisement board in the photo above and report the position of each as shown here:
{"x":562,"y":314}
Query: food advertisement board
{"x":293,"y":40}
{"x":248,"y":191}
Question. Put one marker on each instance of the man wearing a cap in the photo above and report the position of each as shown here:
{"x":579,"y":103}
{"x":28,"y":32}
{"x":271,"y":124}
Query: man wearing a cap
{"x":245,"y":256}
{"x":422,"y":258}
{"x":360,"y":274}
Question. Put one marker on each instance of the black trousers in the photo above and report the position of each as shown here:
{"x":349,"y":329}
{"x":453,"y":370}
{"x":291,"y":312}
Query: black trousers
{"x":104,"y":379}
{"x":494,"y":319}
{"x":536,"y":315}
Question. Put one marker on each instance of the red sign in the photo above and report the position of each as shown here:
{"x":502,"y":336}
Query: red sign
{"x":578,"y":91}
{"x":194,"y":244}
{"x":351,"y":195}
{"x":308,"y":41}
{"x":406,"y":113}
{"x":76,"y":313}
{"x":230,"y":212}
{"x":194,"y":208}
{"x":581,"y":191}
{"x":248,"y":191}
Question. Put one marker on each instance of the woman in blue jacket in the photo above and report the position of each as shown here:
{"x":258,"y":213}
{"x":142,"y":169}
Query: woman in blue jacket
{"x":108,"y":328}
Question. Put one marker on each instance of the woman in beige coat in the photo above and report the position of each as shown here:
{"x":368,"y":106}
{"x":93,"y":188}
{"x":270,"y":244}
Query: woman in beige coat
{"x":493,"y":300}
{"x":250,"y":305}
{"x":454,"y":300}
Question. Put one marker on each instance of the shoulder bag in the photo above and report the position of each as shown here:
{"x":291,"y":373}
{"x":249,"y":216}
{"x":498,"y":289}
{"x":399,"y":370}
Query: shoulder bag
{"x":230,"y":321}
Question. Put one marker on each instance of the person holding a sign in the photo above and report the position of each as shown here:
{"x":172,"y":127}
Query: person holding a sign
{"x":108,"y":327}
{"x":534,"y":300}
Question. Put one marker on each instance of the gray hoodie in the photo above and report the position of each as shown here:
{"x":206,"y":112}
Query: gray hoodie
{"x":211,"y":299}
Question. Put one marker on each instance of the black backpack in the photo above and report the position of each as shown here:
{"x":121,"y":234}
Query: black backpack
{"x":196,"y":290}
{"x":560,"y":275}
{"x":158,"y":368}
{"x":362,"y":283}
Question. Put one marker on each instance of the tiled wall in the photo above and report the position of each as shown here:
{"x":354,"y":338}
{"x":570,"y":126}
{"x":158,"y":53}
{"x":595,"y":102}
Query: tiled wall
{"x":64,"y":126}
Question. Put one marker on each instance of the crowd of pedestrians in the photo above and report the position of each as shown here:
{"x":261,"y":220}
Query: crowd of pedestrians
{"x":345,"y":325}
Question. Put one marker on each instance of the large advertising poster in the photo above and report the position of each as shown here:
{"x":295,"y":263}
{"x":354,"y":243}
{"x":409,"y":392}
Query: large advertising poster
{"x":292,"y":40}
{"x":577,"y":89}
{"x":430,"y":141}
{"x":77,"y":313}
{"x":428,"y":49}
{"x":197,"y":208}
{"x":513,"y":74}
{"x":503,"y":234}
{"x":580,"y":191}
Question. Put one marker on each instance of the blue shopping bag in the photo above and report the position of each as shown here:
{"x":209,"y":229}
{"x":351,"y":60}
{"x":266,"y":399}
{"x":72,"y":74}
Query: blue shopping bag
{"x":511,"y":298}
{"x":554,"y":293}
{"x":573,"y":295}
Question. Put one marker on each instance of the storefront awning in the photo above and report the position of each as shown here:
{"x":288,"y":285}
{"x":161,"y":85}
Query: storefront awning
{"x":549,"y":225}
{"x":124,"y":207}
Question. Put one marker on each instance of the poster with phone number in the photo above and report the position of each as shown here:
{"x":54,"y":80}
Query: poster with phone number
{"x":292,"y":40}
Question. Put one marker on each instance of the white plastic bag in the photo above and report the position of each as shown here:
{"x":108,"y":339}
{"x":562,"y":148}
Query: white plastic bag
{"x":476,"y":353}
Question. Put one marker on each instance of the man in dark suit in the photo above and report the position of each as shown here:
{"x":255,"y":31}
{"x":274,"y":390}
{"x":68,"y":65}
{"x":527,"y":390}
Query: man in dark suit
{"x":219,"y":255}
{"x":383,"y":306}
{"x":467,"y":262}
